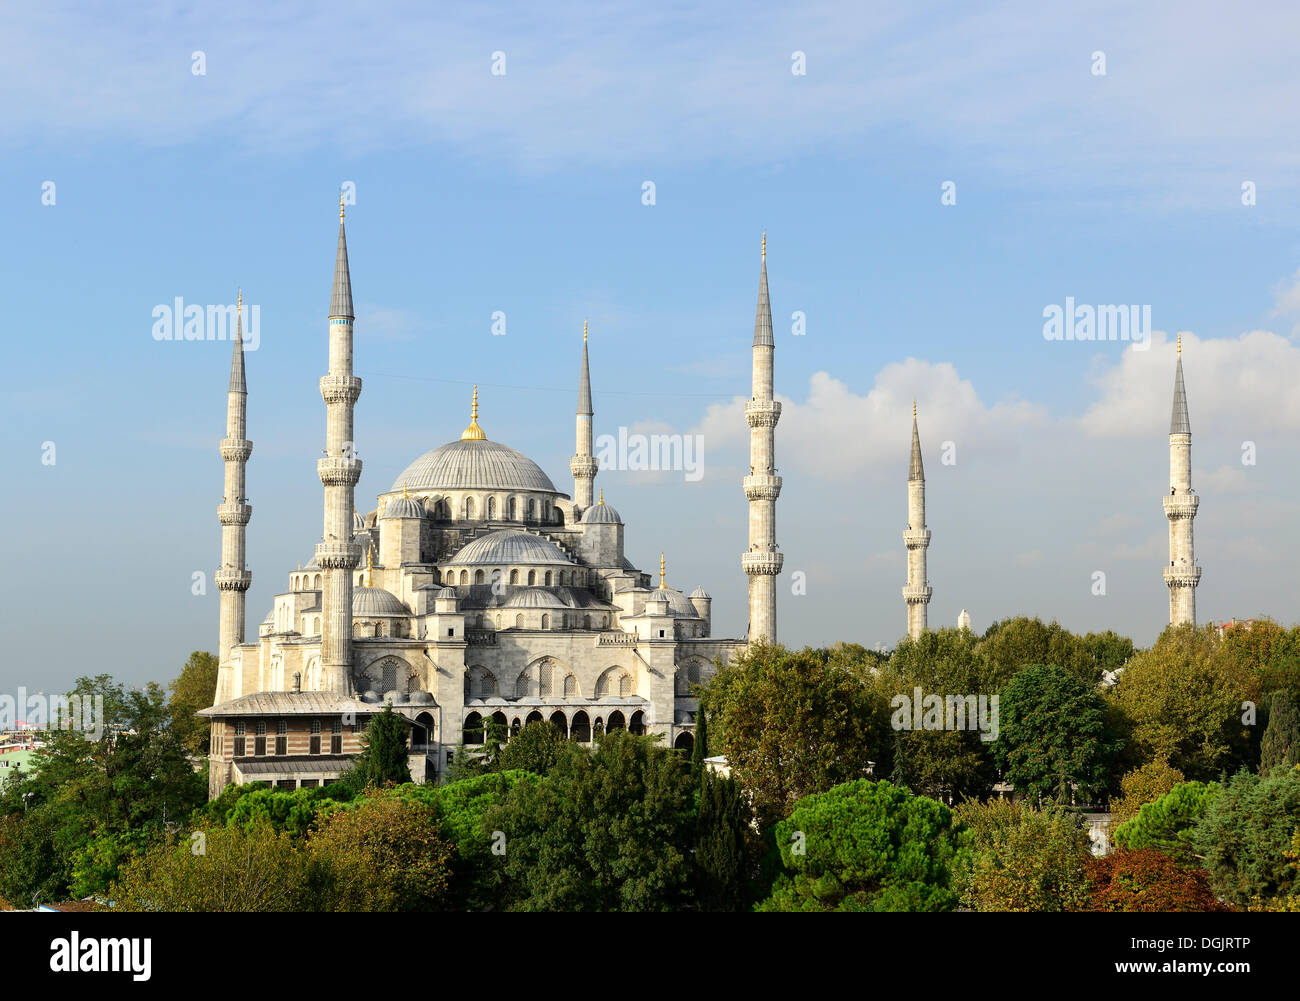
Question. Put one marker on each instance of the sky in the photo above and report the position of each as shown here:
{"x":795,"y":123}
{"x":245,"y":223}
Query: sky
{"x":931,"y":178}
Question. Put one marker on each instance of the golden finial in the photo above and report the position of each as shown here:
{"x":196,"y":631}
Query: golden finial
{"x":1180,"y":345}
{"x":584,"y":331}
{"x":239,"y":304}
{"x":473,"y":432}
{"x":404,"y":492}
{"x":370,"y":566}
{"x":913,"y":408}
{"x":764,"y":244}
{"x":602,"y":496}
{"x":341,"y":198}
{"x":663,"y":572}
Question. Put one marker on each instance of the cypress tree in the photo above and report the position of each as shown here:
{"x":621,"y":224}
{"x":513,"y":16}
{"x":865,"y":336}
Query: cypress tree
{"x":723,"y":844}
{"x":1281,"y":742}
{"x":701,"y":749}
{"x":384,"y":758}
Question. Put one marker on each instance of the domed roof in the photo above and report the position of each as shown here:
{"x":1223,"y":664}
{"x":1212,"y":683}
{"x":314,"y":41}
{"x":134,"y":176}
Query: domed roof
{"x":601,"y":514}
{"x":377,"y":601}
{"x":358,"y":522}
{"x":678,"y":603}
{"x":510,"y":546}
{"x":446,"y":592}
{"x":404,"y":507}
{"x":474,"y":464}
{"x":699,"y":592}
{"x":535,"y":597}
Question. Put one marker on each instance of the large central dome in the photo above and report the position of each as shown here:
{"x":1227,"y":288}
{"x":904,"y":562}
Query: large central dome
{"x":474,"y":464}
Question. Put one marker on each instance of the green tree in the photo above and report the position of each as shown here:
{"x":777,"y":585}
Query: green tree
{"x":726,"y":850}
{"x":793,"y":724}
{"x":193,"y":689}
{"x":1244,"y":837}
{"x":1022,"y":858}
{"x":1142,"y":785}
{"x":1166,"y":823}
{"x":608,"y":829}
{"x":866,"y":846}
{"x":1012,"y":645}
{"x":536,"y":748}
{"x":1054,"y":736}
{"x":383,"y":758}
{"x":1280,"y":745}
{"x":700,"y":749}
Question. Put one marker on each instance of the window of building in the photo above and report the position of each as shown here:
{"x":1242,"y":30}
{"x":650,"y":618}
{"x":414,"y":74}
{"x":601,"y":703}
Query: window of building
{"x":281,"y":738}
{"x":239,"y":739}
{"x":313,"y":744}
{"x":336,"y":737}
{"x":309,"y":783}
{"x":259,"y":739}
{"x":284,"y":784}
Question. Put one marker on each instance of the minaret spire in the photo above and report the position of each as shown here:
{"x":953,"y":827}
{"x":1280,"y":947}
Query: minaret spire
{"x":762,"y":562}
{"x":337,"y":554}
{"x":1182,"y":575}
{"x":233,"y":577}
{"x":583,"y":464}
{"x":917,"y":591}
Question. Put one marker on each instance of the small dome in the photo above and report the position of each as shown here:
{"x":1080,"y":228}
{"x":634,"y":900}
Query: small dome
{"x":678,"y":603}
{"x":395,"y":697}
{"x":404,"y":507}
{"x":358,"y":521}
{"x":370,"y":695}
{"x":535,"y":597}
{"x":377,"y":601}
{"x":601,"y":514}
{"x":510,"y":546}
{"x":445,"y":592}
{"x":699,"y":592}
{"x":419,"y":697}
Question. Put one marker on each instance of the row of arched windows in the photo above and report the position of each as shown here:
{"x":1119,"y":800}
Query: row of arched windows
{"x":546,"y":578}
{"x":545,"y":679}
{"x":581,"y":728}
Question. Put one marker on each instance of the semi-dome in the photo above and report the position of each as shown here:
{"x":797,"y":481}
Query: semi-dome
{"x":404,"y":507}
{"x":358,"y":522}
{"x":474,"y":464}
{"x":377,"y":601}
{"x":510,"y":546}
{"x":535,"y":597}
{"x":601,"y":514}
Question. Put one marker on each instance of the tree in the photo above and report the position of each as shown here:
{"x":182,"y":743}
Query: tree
{"x":1142,"y":785}
{"x":725,"y":845}
{"x":866,"y":846}
{"x":1280,"y":745}
{"x":1022,"y":858}
{"x":700,"y":749}
{"x":193,"y":689}
{"x":605,"y":830}
{"x":1012,"y":645}
{"x":1053,"y":735}
{"x":1166,"y":824}
{"x":1244,"y":837}
{"x":383,"y":758}
{"x":382,"y":854}
{"x":793,"y":724}
{"x":536,"y":748}
{"x":1149,"y":881}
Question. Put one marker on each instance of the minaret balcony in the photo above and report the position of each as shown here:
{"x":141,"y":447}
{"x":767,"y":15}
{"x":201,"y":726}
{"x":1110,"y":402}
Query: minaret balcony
{"x":583,"y":466}
{"x":236,"y":449}
{"x":234,"y":514}
{"x":340,"y":388}
{"x":1182,"y":576}
{"x":914,"y":539}
{"x":338,"y":555}
{"x":917,"y":595}
{"x":232,"y":580}
{"x":762,"y":413}
{"x":762,"y":486}
{"x":339,"y":470}
{"x":762,"y":564}
{"x":1179,"y":506}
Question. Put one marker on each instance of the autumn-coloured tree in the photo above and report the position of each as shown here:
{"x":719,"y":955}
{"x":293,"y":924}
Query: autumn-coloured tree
{"x":1148,"y":880}
{"x":1142,"y":785}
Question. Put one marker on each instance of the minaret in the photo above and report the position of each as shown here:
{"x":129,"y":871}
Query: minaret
{"x":336,"y":554}
{"x":583,"y":465}
{"x":232,"y":578}
{"x":1182,"y":574}
{"x":762,"y":486}
{"x":917,"y":592}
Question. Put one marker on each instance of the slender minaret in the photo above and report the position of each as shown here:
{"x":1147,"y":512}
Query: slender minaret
{"x":336,"y":554}
{"x":232,"y":577}
{"x":584,"y":464}
{"x":762,"y":486}
{"x":1182,"y":574}
{"x":917,"y":592}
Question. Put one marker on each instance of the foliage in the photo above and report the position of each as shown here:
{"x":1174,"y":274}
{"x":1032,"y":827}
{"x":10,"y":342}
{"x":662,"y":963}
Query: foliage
{"x":536,"y":748}
{"x":607,"y":829}
{"x":383,"y":758}
{"x":1022,"y":858}
{"x":1149,"y":881}
{"x":1245,"y":834}
{"x":295,"y":812}
{"x":700,"y":749}
{"x":1289,"y":904}
{"x":193,"y":689}
{"x":1054,"y":735}
{"x":793,"y":724}
{"x":1142,"y":785}
{"x":1280,"y":745}
{"x":1166,"y":824}
{"x":1013,"y":644}
{"x":866,"y":846}
{"x":726,"y":848}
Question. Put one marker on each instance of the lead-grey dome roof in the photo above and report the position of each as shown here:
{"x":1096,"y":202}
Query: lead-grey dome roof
{"x":377,"y":601}
{"x":699,"y":592}
{"x":404,"y":507}
{"x":678,"y":604}
{"x":510,"y":546}
{"x":474,"y":464}
{"x":535,"y":597}
{"x":601,"y":514}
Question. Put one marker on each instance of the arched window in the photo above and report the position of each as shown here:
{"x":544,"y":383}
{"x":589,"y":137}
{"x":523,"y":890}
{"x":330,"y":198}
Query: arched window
{"x":548,"y":578}
{"x":510,"y":509}
{"x":514,"y":576}
{"x":560,"y":723}
{"x":532,"y":577}
{"x":478,"y":576}
{"x":519,"y":621}
{"x":545,"y":674}
{"x":469,"y":508}
{"x":491,"y":508}
{"x":532,"y":509}
{"x":586,"y":622}
{"x":315,"y":625}
{"x":514,"y":727}
{"x":546,"y":621}
{"x":581,"y":731}
{"x":473,"y":729}
{"x":464,"y":577}
{"x":570,"y":687}
{"x":625,"y":685}
{"x":615,"y":721}
{"x":637,"y":726}
{"x":318,"y":582}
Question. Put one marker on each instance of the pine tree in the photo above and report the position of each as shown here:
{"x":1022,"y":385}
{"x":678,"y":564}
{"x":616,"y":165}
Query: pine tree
{"x":1281,"y":742}
{"x":723,"y":847}
{"x":384,"y":758}
{"x":701,"y":749}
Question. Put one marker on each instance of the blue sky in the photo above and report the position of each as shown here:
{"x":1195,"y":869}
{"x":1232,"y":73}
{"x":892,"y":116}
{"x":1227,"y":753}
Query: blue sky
{"x":522,"y":193}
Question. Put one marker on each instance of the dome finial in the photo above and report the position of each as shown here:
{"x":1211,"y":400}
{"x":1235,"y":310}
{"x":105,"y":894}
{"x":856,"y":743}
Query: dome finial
{"x":404,"y":491}
{"x":663,"y":572}
{"x":764,"y":244}
{"x":602,"y":496}
{"x":370,"y":566}
{"x":473,"y":432}
{"x":913,"y":408}
{"x":1180,"y":345}
{"x":584,"y":331}
{"x":239,"y":303}
{"x":341,"y":198}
